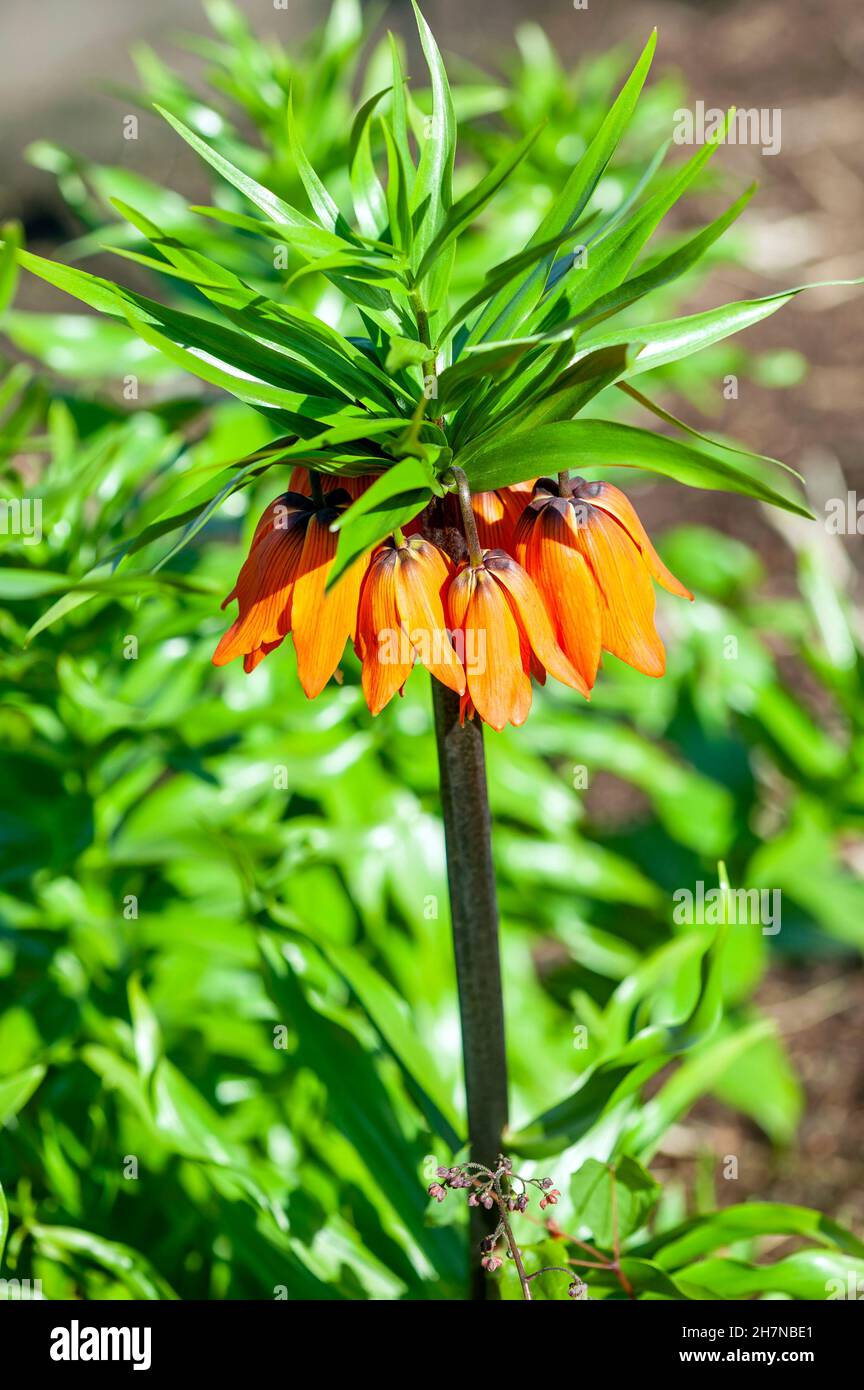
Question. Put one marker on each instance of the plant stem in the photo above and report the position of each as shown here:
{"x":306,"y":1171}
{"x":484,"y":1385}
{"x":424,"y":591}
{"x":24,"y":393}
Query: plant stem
{"x":315,"y":487}
{"x":524,"y":1279}
{"x":474,"y":916}
{"x":472,"y":540}
{"x":421,"y":317}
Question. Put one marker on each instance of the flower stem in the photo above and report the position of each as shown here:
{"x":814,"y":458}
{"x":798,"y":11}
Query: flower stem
{"x":472,"y":540}
{"x":315,"y":487}
{"x":474,"y":916}
{"x":516,"y":1253}
{"x":421,"y":317}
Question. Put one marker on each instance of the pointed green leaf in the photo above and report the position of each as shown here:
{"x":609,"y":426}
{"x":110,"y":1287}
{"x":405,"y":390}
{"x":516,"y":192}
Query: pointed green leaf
{"x":702,"y":1234}
{"x":431,"y":195}
{"x":128,"y":1266}
{"x":16,"y":1090}
{"x":306,"y":237}
{"x":503,"y":316}
{"x":613,"y":1200}
{"x":326,"y":210}
{"x":670,"y":267}
{"x":656,"y":344}
{"x":466,"y":209}
{"x":393,"y":499}
{"x":584,"y":445}
{"x":813,"y":1275}
{"x":370,"y":202}
{"x":399,"y":112}
{"x":609,"y":257}
{"x":11,"y":238}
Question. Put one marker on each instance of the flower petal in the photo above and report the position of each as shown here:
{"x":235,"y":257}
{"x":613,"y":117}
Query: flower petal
{"x":546,"y":548}
{"x":299,"y":482}
{"x":625,"y":593}
{"x":497,"y":514}
{"x":386,"y":652}
{"x":418,"y":597}
{"x":498,"y":686}
{"x":322,"y":623}
{"x":617,"y":505}
{"x":253,"y":659}
{"x":264,"y":590}
{"x":533,"y":619}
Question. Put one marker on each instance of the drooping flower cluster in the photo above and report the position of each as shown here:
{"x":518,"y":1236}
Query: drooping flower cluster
{"x":540,"y":579}
{"x":501,"y":1189}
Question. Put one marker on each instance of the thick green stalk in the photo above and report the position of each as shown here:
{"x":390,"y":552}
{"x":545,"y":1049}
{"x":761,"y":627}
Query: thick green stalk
{"x":474,"y":915}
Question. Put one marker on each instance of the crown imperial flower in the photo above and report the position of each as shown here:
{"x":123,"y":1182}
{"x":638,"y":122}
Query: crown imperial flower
{"x":506,"y":629}
{"x":401,"y":619}
{"x":590,"y":557}
{"x":281,"y":589}
{"x":573,"y":580}
{"x":497,"y":514}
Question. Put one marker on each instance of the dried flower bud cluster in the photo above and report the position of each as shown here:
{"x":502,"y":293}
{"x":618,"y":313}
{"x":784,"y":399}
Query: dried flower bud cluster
{"x":508,"y":1192}
{"x":490,"y":1187}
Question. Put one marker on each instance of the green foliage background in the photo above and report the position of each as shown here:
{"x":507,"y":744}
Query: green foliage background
{"x":229,"y":1051}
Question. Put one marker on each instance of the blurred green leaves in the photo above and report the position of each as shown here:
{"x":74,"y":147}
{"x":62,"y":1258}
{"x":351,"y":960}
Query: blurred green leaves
{"x":16,"y":1090}
{"x":142,"y":777}
{"x":233,"y":1057}
{"x":613,"y":1202}
{"x":534,"y":357}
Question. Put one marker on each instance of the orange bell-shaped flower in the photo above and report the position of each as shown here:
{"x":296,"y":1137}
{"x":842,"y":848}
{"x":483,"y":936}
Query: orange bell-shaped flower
{"x":281,"y":589}
{"x":401,"y":620}
{"x":497,"y":514}
{"x":590,"y":557}
{"x":330,"y":482}
{"x":505,"y":637}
